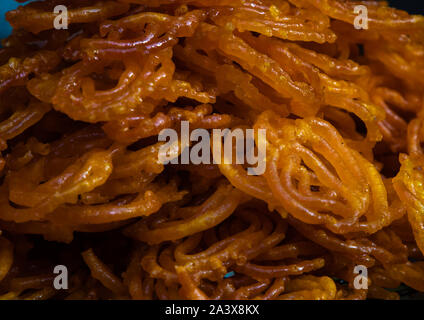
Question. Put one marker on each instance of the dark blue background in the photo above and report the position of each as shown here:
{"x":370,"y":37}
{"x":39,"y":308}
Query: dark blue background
{"x":413,"y":6}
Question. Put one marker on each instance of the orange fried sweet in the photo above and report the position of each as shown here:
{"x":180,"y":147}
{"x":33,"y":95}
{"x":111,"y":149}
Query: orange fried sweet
{"x":339,"y":110}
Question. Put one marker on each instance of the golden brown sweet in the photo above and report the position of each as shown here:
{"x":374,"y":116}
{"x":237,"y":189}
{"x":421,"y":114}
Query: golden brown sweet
{"x":81,"y":185}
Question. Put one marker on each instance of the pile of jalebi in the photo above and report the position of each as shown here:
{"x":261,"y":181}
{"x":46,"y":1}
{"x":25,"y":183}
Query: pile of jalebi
{"x":81,"y":185}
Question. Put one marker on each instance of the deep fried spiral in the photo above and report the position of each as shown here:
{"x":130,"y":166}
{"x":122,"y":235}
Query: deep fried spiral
{"x":82,"y":186}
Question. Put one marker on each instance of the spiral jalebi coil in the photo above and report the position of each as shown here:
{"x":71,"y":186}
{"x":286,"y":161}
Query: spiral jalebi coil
{"x":82,"y":186}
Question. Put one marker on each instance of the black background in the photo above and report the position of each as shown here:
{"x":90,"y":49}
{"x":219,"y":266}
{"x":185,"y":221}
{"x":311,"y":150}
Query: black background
{"x":412,"y":6}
